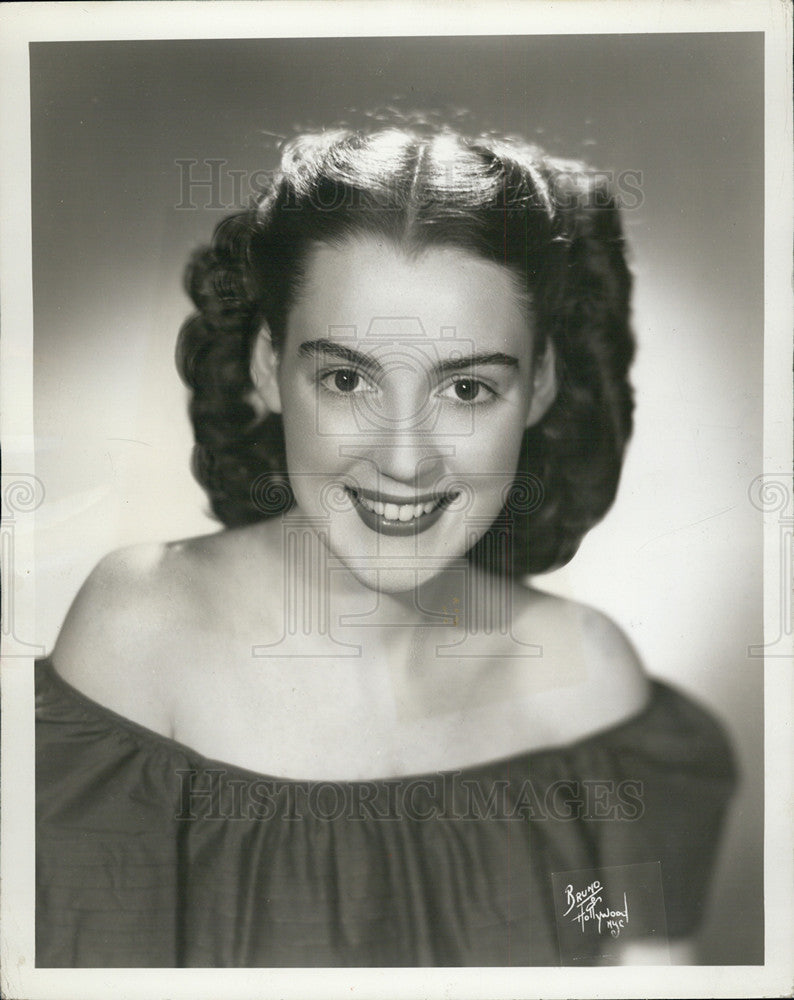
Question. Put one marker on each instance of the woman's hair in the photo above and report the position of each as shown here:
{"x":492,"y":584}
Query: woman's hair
{"x":554,"y":224}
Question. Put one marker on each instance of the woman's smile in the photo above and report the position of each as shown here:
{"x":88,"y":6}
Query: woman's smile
{"x":392,"y":515}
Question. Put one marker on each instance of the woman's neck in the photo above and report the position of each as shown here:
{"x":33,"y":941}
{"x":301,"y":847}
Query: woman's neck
{"x":349,"y":596}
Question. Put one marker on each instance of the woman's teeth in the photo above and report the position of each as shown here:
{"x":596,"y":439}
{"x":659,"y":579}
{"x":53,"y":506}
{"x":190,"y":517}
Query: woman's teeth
{"x":397,"y":512}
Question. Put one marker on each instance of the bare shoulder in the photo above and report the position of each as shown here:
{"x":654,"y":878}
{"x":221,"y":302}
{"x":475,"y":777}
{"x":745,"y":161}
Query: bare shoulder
{"x":572,"y":627}
{"x":602,"y":680}
{"x":136,"y":602}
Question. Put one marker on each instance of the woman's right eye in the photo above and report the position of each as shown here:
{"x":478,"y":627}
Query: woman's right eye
{"x":345,"y":381}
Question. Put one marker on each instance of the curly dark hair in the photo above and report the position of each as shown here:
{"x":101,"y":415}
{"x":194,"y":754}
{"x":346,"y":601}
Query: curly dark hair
{"x":553,"y":223}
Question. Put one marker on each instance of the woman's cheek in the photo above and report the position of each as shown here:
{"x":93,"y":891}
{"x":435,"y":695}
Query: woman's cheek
{"x":494,"y":444}
{"x":311,"y":425}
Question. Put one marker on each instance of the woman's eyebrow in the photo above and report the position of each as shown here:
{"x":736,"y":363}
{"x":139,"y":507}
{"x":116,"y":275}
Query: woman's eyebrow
{"x":311,"y":348}
{"x":475,"y":361}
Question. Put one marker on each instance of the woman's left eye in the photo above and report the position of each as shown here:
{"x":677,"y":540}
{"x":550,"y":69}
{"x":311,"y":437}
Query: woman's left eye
{"x":345,"y":381}
{"x":464,"y":389}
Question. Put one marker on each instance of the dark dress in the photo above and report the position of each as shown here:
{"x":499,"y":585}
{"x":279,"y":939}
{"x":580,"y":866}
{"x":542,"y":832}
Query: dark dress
{"x":149,"y":854}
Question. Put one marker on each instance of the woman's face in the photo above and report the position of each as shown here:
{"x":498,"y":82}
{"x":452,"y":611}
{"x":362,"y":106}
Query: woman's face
{"x":405,"y":385}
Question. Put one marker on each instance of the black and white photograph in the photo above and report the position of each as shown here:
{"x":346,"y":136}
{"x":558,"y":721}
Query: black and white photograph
{"x":397,"y":500}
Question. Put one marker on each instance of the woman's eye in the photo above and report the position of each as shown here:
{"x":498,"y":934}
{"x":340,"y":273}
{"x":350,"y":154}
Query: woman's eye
{"x":345,"y":381}
{"x":463,"y":389}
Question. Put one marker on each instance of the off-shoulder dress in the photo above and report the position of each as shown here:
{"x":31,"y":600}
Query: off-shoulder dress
{"x":149,"y":854}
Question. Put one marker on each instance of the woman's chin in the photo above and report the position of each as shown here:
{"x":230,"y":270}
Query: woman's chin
{"x":397,"y":579}
{"x":390,"y":580}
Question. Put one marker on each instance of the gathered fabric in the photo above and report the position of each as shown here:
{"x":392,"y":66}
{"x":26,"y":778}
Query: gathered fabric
{"x":149,"y":854}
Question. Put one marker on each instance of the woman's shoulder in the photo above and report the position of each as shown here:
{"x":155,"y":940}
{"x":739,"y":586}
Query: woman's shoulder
{"x":595,"y":685}
{"x":573,"y":630}
{"x":136,"y":606}
{"x":587,"y":675}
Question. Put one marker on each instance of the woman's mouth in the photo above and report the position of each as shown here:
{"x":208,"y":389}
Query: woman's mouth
{"x":391,"y":515}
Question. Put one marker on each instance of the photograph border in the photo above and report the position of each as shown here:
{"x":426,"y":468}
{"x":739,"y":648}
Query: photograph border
{"x":23,"y":23}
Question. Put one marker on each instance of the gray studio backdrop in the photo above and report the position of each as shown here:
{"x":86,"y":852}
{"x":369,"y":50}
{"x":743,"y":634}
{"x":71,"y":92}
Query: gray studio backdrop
{"x":122,"y":130}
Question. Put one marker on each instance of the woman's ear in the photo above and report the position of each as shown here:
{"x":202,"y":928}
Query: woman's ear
{"x":544,"y":385}
{"x":266,"y":396}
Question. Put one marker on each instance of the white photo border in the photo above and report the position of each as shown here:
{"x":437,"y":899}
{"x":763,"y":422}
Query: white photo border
{"x":27,"y":22}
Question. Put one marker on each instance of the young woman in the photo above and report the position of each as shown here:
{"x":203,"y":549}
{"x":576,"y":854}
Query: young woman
{"x":344,"y":730}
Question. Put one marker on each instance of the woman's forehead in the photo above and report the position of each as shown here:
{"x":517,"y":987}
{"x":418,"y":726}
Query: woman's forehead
{"x":372,"y":290}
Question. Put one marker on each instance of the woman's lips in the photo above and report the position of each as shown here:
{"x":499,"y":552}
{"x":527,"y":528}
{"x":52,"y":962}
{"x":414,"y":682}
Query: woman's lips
{"x":391,"y":515}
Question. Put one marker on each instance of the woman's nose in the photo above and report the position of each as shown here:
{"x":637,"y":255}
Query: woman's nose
{"x":411,"y":459}
{"x":399,"y":436}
